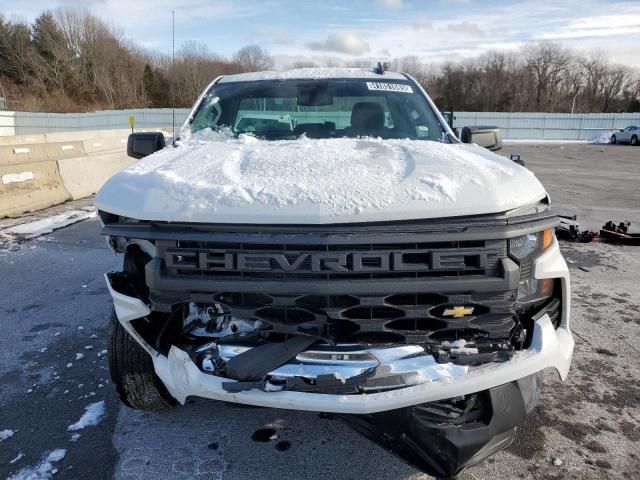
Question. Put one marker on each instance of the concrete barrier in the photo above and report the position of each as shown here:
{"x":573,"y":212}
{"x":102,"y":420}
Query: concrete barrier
{"x":25,"y":153}
{"x":58,"y":150}
{"x":30,"y":186}
{"x":39,"y":152}
{"x":105,"y":144}
{"x":22,"y":139}
{"x":77,"y":136}
{"x":41,"y":170}
{"x":84,"y":176}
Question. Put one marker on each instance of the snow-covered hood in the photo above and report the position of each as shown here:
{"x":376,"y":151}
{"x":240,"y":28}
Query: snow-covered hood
{"x":216,"y":179}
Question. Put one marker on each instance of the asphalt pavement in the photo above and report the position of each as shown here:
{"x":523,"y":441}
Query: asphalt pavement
{"x":54,"y":306}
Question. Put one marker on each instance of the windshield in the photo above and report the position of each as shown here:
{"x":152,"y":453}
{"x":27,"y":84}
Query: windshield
{"x":286,"y":109}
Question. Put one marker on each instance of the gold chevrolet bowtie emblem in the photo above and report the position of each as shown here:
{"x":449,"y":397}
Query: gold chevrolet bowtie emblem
{"x":457,"y":312}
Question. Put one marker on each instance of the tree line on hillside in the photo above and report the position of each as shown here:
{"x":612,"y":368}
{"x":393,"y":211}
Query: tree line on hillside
{"x":69,"y":60}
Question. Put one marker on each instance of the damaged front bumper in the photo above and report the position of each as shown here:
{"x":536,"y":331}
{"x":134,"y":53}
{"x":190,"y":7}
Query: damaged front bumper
{"x":420,"y":378}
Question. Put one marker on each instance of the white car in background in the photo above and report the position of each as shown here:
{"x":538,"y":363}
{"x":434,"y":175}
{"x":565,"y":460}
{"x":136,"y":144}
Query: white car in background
{"x":630,"y":135}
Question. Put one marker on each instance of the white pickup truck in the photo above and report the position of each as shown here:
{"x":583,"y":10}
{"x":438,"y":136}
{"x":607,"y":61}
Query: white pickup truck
{"x":319,"y":239}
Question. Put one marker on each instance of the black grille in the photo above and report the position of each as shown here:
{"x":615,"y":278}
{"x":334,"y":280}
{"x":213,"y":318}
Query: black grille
{"x":393,"y":315}
{"x":416,"y":318}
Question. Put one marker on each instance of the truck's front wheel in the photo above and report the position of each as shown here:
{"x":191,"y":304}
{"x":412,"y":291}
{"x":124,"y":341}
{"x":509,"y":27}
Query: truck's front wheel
{"x":132,"y":372}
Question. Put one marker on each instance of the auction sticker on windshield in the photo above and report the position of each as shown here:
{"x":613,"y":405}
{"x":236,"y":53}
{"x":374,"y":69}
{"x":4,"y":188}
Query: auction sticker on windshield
{"x":389,"y":87}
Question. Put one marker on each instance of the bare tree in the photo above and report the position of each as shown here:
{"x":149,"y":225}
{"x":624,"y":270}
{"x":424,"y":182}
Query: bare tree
{"x":253,"y":58}
{"x":547,"y":62}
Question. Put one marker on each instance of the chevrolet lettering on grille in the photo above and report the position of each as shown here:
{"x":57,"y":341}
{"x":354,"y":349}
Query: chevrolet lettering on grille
{"x":326,"y":262}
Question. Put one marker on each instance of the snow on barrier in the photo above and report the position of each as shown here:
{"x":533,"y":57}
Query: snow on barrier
{"x":41,"y":170}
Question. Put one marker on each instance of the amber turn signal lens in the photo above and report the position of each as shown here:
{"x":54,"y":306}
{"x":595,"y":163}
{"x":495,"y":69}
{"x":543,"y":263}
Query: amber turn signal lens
{"x":547,"y":238}
{"x":545,"y":287}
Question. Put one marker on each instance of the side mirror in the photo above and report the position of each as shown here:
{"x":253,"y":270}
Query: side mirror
{"x":487,"y":137}
{"x":144,"y":143}
{"x":515,"y":157}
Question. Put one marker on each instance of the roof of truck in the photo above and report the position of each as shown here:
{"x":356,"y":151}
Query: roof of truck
{"x":312,"y":74}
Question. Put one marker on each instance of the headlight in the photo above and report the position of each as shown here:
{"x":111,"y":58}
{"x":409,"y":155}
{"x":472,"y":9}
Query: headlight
{"x":525,"y":249}
{"x":525,"y":245}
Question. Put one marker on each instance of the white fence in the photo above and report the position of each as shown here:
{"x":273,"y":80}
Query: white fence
{"x":537,"y":126}
{"x":549,"y":126}
{"x":22,"y":123}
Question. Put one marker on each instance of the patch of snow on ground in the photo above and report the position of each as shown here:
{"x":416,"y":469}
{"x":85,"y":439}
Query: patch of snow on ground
{"x":44,"y":470}
{"x":47,"y":225}
{"x":93,"y":414}
{"x":4,"y":434}
{"x":602,"y":138}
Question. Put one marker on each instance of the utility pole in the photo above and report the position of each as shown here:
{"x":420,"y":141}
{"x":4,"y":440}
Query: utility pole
{"x":173,"y":73}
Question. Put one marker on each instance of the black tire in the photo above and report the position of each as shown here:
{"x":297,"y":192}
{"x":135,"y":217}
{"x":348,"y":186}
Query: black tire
{"x":613,"y":139}
{"x":132,"y":372}
{"x":634,"y":140}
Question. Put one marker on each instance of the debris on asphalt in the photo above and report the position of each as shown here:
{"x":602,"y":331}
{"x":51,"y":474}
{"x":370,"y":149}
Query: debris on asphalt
{"x":557,"y":462}
{"x":619,"y":233}
{"x":569,"y":229}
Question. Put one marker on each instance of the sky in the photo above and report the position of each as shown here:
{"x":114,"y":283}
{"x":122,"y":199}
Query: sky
{"x":436,"y":31}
